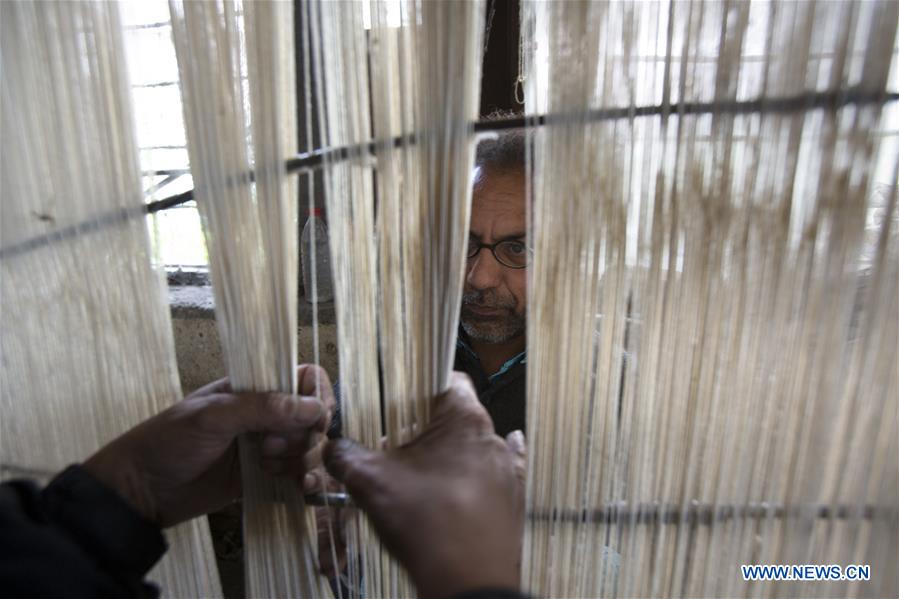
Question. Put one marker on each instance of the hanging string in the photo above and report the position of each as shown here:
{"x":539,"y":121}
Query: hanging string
{"x":241,"y":57}
{"x":79,"y":314}
{"x":724,"y":346}
{"x":396,"y":239}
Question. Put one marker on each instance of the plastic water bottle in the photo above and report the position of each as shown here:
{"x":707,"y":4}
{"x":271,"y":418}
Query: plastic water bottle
{"x":324,"y":291}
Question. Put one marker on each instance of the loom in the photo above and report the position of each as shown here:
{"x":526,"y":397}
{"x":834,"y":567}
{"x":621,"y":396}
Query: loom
{"x":728,"y":389}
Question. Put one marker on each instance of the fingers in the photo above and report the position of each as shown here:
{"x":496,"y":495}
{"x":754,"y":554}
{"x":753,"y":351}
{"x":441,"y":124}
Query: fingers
{"x":314,"y":380}
{"x":311,"y":377}
{"x":317,"y":480}
{"x":516,"y":444}
{"x":270,"y":411}
{"x":462,"y":392}
{"x":282,"y":412}
{"x":290,"y":444}
{"x":331,"y":541}
{"x":515,"y":441}
{"x":235,"y":414}
{"x":359,"y":469}
{"x":460,"y":403}
{"x":312,"y":482}
{"x":292,"y":454}
{"x":219,"y":386}
{"x":274,"y":446}
{"x":313,"y":457}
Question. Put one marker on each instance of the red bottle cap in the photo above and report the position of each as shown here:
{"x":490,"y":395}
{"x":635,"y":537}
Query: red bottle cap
{"x":315,"y":211}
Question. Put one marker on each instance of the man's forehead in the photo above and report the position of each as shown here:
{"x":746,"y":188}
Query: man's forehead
{"x":498,"y":206}
{"x":486,"y":174}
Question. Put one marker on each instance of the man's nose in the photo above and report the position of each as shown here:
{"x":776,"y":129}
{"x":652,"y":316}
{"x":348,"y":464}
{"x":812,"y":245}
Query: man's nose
{"x":484,"y":272}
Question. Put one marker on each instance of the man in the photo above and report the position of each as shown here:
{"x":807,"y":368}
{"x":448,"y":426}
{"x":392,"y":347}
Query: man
{"x":95,"y":530}
{"x":492,"y":339}
{"x":491,"y":343}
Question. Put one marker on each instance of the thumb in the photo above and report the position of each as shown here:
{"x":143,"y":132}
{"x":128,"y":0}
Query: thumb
{"x":358,"y":468}
{"x":235,"y":414}
{"x":516,"y":443}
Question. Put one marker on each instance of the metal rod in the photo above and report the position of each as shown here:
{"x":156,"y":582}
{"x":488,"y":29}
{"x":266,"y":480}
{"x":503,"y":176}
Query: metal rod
{"x":157,"y":186}
{"x":624,"y":514}
{"x":317,"y":158}
{"x":13,"y":471}
{"x":338,"y":500}
{"x":807,"y":101}
{"x":116,"y":217}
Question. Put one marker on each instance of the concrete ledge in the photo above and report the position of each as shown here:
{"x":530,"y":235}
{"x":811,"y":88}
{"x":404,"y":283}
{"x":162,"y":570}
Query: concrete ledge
{"x":191,"y":301}
{"x":198,"y":347}
{"x":197,"y":301}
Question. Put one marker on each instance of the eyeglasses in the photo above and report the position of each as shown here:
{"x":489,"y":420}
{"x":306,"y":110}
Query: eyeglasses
{"x":509,"y":253}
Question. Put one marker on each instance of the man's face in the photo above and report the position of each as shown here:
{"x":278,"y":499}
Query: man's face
{"x":495,"y":296}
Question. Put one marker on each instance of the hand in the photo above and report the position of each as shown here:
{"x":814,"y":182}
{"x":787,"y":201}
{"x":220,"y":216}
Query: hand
{"x":331,"y":522}
{"x":450,"y":504}
{"x":331,"y":525}
{"x":183,"y":462}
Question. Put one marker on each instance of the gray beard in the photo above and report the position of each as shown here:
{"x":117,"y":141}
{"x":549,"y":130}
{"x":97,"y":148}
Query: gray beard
{"x":495,"y":331}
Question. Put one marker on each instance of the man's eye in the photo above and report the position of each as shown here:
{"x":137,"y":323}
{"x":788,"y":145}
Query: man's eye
{"x":516,"y":247}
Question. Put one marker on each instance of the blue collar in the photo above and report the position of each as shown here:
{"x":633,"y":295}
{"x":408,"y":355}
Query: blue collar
{"x":521,"y":358}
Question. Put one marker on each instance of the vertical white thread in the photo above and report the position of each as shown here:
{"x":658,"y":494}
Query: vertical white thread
{"x":715,"y":258}
{"x":87,"y":349}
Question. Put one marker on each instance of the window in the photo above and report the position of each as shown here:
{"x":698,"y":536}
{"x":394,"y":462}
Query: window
{"x":176,"y":234}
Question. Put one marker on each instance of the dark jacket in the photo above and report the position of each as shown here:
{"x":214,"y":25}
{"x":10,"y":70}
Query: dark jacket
{"x":76,"y":538}
{"x":503,"y":394}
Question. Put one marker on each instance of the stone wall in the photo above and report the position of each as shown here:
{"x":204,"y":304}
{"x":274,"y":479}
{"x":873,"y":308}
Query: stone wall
{"x":198,"y":348}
